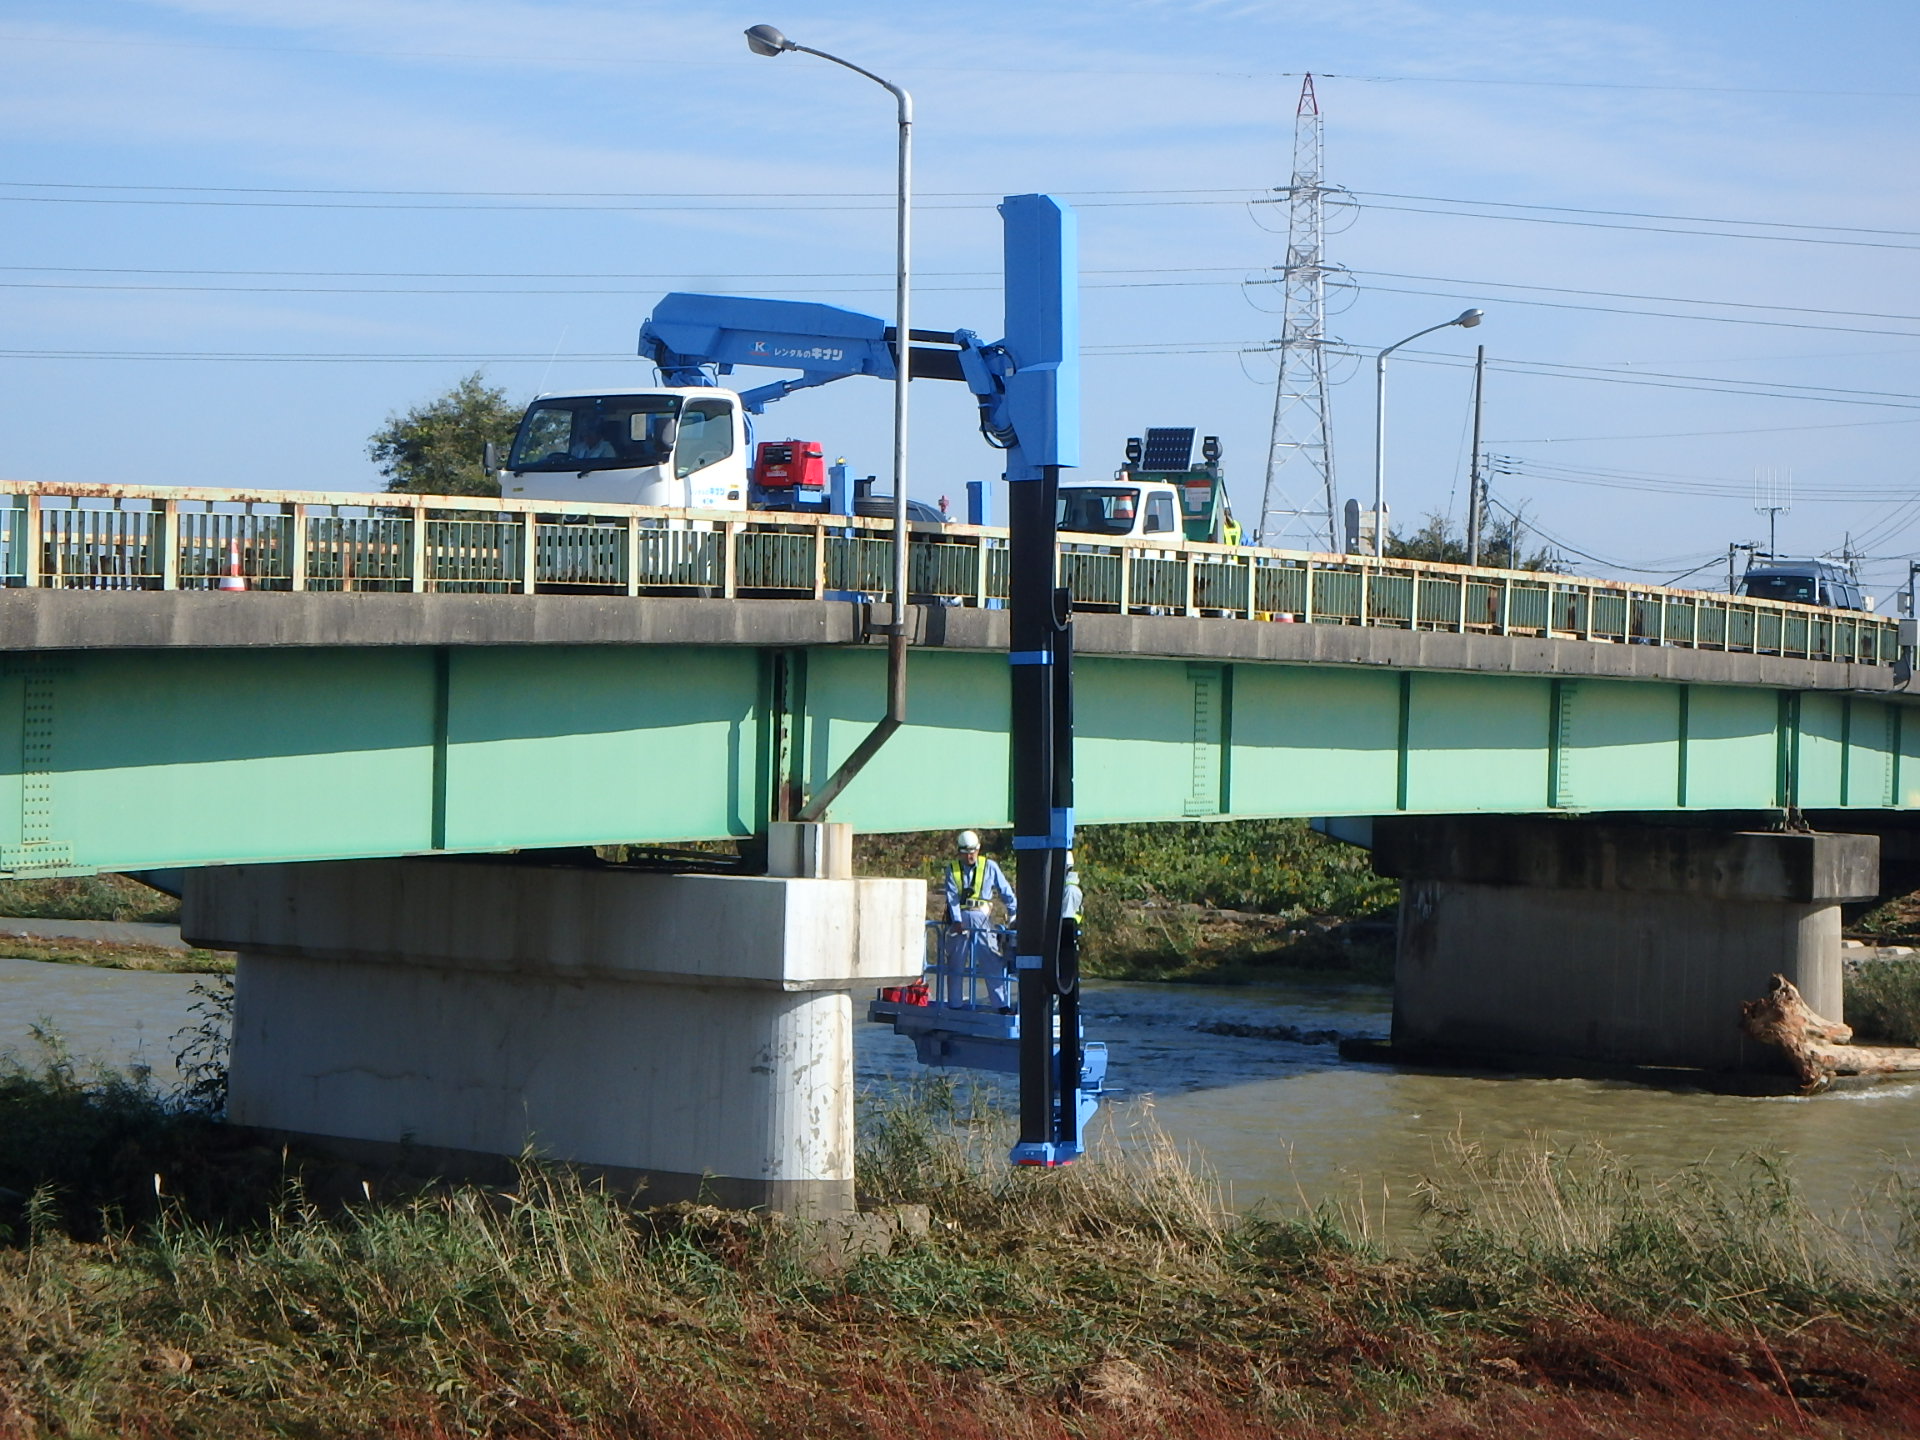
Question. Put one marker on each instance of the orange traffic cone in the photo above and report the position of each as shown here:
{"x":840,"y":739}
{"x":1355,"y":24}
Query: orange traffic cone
{"x":235,"y":578}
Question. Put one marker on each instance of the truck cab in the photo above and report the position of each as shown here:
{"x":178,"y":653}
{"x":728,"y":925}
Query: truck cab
{"x":1121,"y":508}
{"x":677,"y":447}
{"x":1159,"y":493}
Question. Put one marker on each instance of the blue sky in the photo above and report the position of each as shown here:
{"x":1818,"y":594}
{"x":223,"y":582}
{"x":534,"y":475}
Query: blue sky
{"x":325,"y":193}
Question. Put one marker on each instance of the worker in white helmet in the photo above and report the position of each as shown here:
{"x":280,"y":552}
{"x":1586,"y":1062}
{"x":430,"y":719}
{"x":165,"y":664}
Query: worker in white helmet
{"x":972,"y":943}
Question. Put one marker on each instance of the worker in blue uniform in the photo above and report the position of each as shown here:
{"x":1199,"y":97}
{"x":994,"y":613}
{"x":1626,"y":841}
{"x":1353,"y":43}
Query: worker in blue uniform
{"x":972,"y":941}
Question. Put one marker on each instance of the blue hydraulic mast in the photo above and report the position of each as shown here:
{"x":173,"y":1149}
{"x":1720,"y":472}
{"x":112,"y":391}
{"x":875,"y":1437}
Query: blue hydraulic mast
{"x":1030,"y":408}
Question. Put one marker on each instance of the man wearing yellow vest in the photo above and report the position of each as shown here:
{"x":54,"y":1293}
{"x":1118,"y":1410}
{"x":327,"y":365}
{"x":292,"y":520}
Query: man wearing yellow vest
{"x":971,"y":944}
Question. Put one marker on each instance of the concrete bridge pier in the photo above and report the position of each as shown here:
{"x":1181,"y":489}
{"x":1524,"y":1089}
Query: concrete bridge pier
{"x":1634,"y":945}
{"x":692,"y":1032}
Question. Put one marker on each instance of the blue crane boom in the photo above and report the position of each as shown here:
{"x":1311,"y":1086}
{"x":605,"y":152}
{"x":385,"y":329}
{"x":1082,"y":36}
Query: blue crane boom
{"x":694,"y":339}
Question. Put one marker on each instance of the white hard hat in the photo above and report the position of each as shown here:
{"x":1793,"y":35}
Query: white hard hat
{"x":966,"y":840}
{"x":1069,"y":859}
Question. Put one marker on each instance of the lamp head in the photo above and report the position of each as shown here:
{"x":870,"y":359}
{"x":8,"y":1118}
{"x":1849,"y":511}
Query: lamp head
{"x":1467,"y":319}
{"x":765,"y":40}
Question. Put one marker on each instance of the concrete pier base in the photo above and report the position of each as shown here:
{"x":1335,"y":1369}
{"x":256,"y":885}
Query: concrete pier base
{"x":1620,"y":945}
{"x":690,"y":1031}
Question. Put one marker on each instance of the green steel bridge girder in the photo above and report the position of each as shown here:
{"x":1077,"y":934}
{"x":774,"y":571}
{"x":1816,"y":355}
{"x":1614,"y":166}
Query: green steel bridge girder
{"x":153,"y":758}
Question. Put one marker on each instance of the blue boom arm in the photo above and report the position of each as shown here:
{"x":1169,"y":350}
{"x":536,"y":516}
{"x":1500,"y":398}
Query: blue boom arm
{"x":694,"y":339}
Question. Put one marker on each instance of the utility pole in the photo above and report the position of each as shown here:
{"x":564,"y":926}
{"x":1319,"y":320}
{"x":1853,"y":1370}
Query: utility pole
{"x":1301,"y":432}
{"x":1476,"y":478}
{"x":1772,"y":499}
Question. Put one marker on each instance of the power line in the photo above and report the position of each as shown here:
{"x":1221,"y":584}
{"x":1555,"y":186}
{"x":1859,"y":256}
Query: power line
{"x":1641,"y":229}
{"x":1238,"y":190}
{"x":1615,"y":85}
{"x":1701,"y":434}
{"x":1712,"y":385}
{"x":1639,"y":214}
{"x":672,"y":277}
{"x":1632,"y":295}
{"x":1654,"y":314}
{"x":747,"y":208}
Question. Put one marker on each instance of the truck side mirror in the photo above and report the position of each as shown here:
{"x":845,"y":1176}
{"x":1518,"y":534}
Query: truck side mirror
{"x":490,"y":457}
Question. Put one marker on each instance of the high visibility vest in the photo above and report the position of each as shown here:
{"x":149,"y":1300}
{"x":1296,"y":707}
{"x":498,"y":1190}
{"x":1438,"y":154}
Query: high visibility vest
{"x":970,"y":893}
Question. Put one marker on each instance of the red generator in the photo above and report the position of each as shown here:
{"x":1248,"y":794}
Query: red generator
{"x":790,"y":465}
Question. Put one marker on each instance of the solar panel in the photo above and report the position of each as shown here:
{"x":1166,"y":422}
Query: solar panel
{"x":1169,"y":450}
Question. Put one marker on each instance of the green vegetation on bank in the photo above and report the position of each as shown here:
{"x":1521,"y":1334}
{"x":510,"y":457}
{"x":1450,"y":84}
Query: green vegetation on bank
{"x":164,"y":1276}
{"x":1226,"y":900}
{"x":88,"y":897}
{"x":116,"y":955}
{"x":1883,"y":1001}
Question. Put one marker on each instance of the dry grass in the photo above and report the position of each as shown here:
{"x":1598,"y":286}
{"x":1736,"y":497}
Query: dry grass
{"x":1559,"y":1296}
{"x":112,"y":955}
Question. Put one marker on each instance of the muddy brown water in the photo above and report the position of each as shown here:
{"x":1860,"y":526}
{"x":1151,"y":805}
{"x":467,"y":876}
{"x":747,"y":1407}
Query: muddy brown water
{"x":1280,"y":1120}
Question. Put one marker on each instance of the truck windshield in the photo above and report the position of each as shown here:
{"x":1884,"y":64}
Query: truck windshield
{"x":1797,"y":588}
{"x":594,"y":432}
{"x":1098,"y":509}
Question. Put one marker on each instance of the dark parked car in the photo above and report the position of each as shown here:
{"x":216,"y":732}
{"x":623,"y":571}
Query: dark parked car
{"x":1804,"y":582}
{"x":880,"y":507}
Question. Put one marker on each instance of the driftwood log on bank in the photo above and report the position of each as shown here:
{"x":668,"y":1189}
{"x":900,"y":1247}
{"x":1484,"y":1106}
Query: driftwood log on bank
{"x":1815,"y":1046}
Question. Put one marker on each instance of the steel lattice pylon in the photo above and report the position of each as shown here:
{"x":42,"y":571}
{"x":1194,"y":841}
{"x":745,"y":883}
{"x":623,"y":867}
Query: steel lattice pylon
{"x":1302,"y":437}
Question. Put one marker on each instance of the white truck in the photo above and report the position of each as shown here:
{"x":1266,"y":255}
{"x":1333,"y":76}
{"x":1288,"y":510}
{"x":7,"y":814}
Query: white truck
{"x":687,"y":444}
{"x":682,"y":447}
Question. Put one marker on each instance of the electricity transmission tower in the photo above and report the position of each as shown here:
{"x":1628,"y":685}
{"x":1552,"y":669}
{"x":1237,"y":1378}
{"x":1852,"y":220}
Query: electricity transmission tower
{"x":1297,"y":507}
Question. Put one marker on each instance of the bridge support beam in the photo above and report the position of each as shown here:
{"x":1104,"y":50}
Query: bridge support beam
{"x":1616,"y":944}
{"x":692,"y":1032}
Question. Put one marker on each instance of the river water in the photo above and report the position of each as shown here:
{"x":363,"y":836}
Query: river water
{"x":1275,"y":1120}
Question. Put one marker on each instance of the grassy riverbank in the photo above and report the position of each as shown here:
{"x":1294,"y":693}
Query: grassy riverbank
{"x":88,"y":897}
{"x":162,"y":1276}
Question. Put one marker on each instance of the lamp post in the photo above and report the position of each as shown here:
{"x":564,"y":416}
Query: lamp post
{"x":766,"y":40}
{"x":1466,"y":319}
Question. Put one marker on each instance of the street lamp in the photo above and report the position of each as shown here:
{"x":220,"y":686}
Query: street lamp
{"x":1466,"y":319}
{"x":766,"y":40}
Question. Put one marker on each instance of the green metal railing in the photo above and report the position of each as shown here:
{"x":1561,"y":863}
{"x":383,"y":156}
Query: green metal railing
{"x":139,"y":538}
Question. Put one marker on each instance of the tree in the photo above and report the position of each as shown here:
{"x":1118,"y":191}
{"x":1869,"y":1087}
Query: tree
{"x":436,"y":448}
{"x":1501,"y":546}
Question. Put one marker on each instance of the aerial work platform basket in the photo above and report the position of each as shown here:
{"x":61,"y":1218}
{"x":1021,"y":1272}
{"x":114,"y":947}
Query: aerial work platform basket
{"x":956,"y":1017}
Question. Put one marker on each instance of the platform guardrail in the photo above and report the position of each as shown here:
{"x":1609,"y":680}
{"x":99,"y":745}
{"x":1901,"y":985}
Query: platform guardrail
{"x":117,"y":537}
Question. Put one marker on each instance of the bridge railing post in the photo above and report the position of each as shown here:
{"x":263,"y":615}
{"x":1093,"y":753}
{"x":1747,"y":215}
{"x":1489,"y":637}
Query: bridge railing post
{"x":297,"y":548}
{"x":529,"y":559}
{"x":1366,"y":595}
{"x":631,"y":536}
{"x":30,"y":558}
{"x":166,"y":539}
{"x":417,"y":549}
{"x":1126,"y":580}
{"x":729,"y":547}
{"x":1506,"y":602}
{"x":1306,"y":599}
